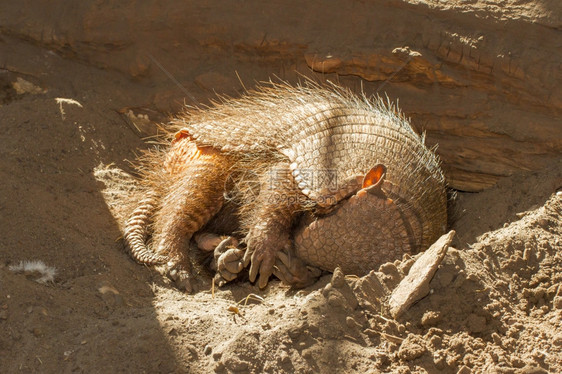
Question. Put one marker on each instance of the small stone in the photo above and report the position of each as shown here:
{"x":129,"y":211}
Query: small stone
{"x":207,"y":350}
{"x":464,"y":370}
{"x":528,"y":252}
{"x":430,"y":318}
{"x":352,"y":323}
{"x":192,"y":351}
{"x":338,"y":278}
{"x":389,"y":269}
{"x":37,"y":332}
{"x":497,"y":339}
{"x":326,"y":290}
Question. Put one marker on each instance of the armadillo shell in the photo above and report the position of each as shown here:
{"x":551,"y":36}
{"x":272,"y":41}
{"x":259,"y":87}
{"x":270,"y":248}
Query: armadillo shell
{"x":361,"y":234}
{"x":331,"y":138}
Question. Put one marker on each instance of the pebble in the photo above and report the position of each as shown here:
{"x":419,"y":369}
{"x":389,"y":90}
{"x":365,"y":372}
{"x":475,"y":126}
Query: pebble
{"x":430,"y":318}
{"x":37,"y":332}
{"x":497,"y":339}
{"x":352,"y":323}
{"x":207,"y":350}
{"x":338,"y":278}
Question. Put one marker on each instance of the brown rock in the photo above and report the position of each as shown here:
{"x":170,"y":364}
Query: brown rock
{"x":416,"y":284}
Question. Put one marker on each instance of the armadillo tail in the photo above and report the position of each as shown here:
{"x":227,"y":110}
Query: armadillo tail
{"x":136,"y":233}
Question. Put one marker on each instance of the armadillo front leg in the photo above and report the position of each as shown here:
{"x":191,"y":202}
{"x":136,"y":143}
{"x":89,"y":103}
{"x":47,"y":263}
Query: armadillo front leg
{"x":278,"y":204}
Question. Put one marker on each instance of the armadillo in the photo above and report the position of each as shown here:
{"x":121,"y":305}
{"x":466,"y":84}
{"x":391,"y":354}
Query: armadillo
{"x":318,"y":178}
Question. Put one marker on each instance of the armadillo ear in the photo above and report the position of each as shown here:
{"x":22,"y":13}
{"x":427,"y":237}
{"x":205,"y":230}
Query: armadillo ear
{"x":374,"y":177}
{"x":180,"y":135}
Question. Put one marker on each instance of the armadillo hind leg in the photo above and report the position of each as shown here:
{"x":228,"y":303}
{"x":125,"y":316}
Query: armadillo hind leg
{"x":194,"y":196}
{"x":277,"y":205}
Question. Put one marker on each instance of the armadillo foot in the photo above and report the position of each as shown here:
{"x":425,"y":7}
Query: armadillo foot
{"x":228,"y":261}
{"x":262,"y":252}
{"x":179,"y":273}
{"x":292,"y":270}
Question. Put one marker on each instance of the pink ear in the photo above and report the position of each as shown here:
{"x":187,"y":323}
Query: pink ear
{"x":180,"y":135}
{"x":375,"y":176}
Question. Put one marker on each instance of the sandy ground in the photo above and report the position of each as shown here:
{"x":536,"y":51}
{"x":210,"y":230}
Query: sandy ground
{"x":495,"y":304}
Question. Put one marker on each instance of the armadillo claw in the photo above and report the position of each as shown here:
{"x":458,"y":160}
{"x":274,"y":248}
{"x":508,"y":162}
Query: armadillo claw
{"x":182,"y":279}
{"x":263,"y":250}
{"x":223,"y":246}
{"x":293,"y":271}
{"x":229,"y":261}
{"x":262,"y":262}
{"x":219,"y":280}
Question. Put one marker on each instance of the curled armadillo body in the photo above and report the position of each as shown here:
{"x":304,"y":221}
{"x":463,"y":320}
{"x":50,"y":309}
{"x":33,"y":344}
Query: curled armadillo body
{"x":369,"y":187}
